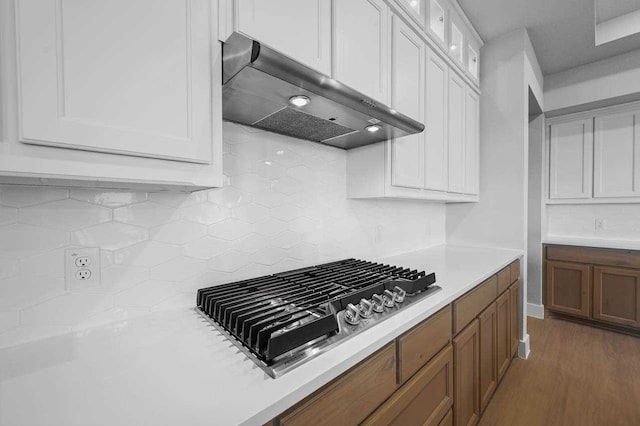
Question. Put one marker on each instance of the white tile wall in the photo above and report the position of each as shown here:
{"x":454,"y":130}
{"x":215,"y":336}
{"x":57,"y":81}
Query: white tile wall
{"x":622,"y":221}
{"x":284,"y":207}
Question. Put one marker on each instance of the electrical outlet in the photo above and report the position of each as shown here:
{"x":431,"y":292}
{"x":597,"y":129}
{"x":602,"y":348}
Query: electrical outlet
{"x":82,"y":267}
{"x":600,"y":224}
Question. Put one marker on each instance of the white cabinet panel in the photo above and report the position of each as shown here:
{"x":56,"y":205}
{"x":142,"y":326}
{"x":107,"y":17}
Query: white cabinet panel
{"x":300,"y":29}
{"x":436,"y":104}
{"x":472,"y":140}
{"x":407,"y":95}
{"x":457,"y":143}
{"x":571,"y":159}
{"x":361,"y":46}
{"x":616,"y":155}
{"x":437,"y":20}
{"x":122,"y":76}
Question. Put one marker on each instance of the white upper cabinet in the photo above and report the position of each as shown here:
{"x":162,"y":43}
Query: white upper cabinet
{"x":300,"y":29}
{"x":437,"y":24}
{"x":456,"y":42}
{"x":361,"y":46}
{"x":570,"y":159}
{"x":436,"y":101}
{"x":457,"y":143}
{"x":114,"y":94}
{"x":617,"y":155}
{"x":127,"y":77}
{"x":472,"y":141}
{"x":407,"y":95}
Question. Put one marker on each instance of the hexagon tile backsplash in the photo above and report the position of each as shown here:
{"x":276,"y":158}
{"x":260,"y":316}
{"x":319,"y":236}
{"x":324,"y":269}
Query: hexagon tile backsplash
{"x":284,"y":207}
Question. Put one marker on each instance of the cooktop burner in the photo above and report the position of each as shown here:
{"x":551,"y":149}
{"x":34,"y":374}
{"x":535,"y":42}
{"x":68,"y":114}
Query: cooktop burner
{"x":285,"y":319}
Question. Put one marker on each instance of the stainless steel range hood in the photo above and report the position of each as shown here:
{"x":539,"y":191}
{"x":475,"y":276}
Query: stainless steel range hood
{"x":259,"y":84}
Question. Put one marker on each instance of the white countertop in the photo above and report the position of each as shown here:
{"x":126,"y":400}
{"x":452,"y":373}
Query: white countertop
{"x":592,"y":242}
{"x":174,"y":368}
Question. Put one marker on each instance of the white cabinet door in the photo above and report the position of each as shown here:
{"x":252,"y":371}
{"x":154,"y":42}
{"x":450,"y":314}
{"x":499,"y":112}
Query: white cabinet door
{"x":361,"y":46}
{"x":571,"y":159}
{"x":128,"y":77}
{"x":300,"y":29}
{"x":407,"y":95}
{"x":472,"y":141}
{"x":436,"y":105}
{"x":617,"y":155}
{"x":457,"y":145}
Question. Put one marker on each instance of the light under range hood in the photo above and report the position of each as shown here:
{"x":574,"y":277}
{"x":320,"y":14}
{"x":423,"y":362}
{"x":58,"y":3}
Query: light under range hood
{"x":261,"y":88}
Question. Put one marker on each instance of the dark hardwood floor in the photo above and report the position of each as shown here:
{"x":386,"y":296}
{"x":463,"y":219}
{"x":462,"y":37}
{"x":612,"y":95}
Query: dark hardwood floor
{"x":575,"y":375}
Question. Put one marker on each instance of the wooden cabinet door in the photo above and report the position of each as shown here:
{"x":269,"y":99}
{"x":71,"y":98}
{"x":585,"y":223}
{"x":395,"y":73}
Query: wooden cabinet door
{"x":503,"y":329}
{"x":407,"y":95}
{"x":130,"y":78}
{"x":617,"y":155}
{"x":569,"y":288}
{"x":571,"y":159}
{"x":361,"y":46}
{"x":471,"y":140}
{"x":299,"y":29}
{"x":457,"y":152}
{"x":488,"y":354}
{"x":351,"y":397}
{"x":514,"y":312}
{"x":466,"y":376}
{"x":424,"y":400}
{"x":436,"y":101}
{"x":616,"y":295}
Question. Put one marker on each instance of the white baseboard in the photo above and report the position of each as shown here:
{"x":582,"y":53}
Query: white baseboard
{"x":524,"y":347}
{"x":536,"y":311}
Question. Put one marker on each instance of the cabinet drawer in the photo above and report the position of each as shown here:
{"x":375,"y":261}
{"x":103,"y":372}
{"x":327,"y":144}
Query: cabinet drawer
{"x":422,"y":342}
{"x":504,"y":279}
{"x":594,"y":255}
{"x":350,"y":398}
{"x":424,"y":400}
{"x":471,"y":304}
{"x":515,"y":271}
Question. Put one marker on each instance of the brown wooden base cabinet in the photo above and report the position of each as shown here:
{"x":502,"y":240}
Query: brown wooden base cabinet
{"x":442,"y":372}
{"x":596,"y":284}
{"x":488,"y":326}
{"x":466,"y":401}
{"x":503,"y":344}
{"x":424,"y":400}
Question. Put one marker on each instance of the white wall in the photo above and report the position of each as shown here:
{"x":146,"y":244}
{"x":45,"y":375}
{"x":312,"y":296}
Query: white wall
{"x":607,"y":82}
{"x":622,"y":221}
{"x":284,"y":207}
{"x":509,"y":69}
{"x":535,"y":210}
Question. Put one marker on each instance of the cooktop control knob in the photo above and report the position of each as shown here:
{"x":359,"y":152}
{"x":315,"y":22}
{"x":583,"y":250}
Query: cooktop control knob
{"x":351,"y":315}
{"x":366,"y":308}
{"x":389,"y":298}
{"x":399,"y":293}
{"x":378,"y":303}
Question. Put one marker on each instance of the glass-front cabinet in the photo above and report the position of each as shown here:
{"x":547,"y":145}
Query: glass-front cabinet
{"x":437,"y":20}
{"x":456,"y":43}
{"x":472,"y":62}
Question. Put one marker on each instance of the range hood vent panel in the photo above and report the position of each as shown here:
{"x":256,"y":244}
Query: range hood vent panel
{"x":295,"y":123}
{"x":259,"y":81}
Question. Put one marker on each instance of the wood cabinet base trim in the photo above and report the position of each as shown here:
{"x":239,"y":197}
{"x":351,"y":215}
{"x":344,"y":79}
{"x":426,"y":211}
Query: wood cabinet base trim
{"x":594,"y":323}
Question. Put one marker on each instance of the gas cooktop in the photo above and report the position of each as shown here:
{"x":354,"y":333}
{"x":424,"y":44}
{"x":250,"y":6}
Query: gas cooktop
{"x":283,"y":320}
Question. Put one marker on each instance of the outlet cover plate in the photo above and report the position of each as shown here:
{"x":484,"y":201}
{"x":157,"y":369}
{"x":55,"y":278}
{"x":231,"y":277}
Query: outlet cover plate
{"x":71,"y":268}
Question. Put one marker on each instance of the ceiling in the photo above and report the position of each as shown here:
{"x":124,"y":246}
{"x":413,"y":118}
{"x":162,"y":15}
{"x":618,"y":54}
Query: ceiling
{"x":562,"y":31}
